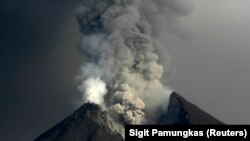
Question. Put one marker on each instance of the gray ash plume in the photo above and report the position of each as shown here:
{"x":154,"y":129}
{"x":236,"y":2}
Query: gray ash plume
{"x":124,"y":61}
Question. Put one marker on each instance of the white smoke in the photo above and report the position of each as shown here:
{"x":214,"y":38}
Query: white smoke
{"x":94,"y":90}
{"x":124,"y":60}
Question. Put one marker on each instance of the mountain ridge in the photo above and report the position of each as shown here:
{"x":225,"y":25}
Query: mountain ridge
{"x":90,"y":123}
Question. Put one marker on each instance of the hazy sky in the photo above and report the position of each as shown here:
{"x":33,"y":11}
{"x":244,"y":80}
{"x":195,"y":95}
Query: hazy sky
{"x":213,"y":69}
{"x":38,"y":62}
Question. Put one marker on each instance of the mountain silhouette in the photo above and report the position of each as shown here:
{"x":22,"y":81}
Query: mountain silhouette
{"x":90,"y":123}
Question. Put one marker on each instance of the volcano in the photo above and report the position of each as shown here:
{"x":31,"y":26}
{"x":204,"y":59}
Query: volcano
{"x":90,"y":123}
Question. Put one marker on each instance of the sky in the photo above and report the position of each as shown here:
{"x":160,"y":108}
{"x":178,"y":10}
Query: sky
{"x":39,"y":61}
{"x":213,"y":69}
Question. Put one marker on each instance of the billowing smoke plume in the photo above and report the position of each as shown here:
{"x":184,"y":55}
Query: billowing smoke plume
{"x":124,"y":61}
{"x":94,"y":90}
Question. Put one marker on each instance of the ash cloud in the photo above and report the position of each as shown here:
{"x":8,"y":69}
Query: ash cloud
{"x":124,"y":60}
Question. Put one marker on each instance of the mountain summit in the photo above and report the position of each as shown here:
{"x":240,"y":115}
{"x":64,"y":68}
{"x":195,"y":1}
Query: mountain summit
{"x":90,"y":123}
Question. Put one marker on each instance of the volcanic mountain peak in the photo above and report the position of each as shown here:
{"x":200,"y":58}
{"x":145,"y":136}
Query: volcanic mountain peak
{"x":181,"y":111}
{"x":91,"y":123}
{"x":88,"y":123}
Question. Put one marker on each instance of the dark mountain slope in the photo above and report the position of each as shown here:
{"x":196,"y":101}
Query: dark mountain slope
{"x":180,"y":111}
{"x":90,"y":123}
